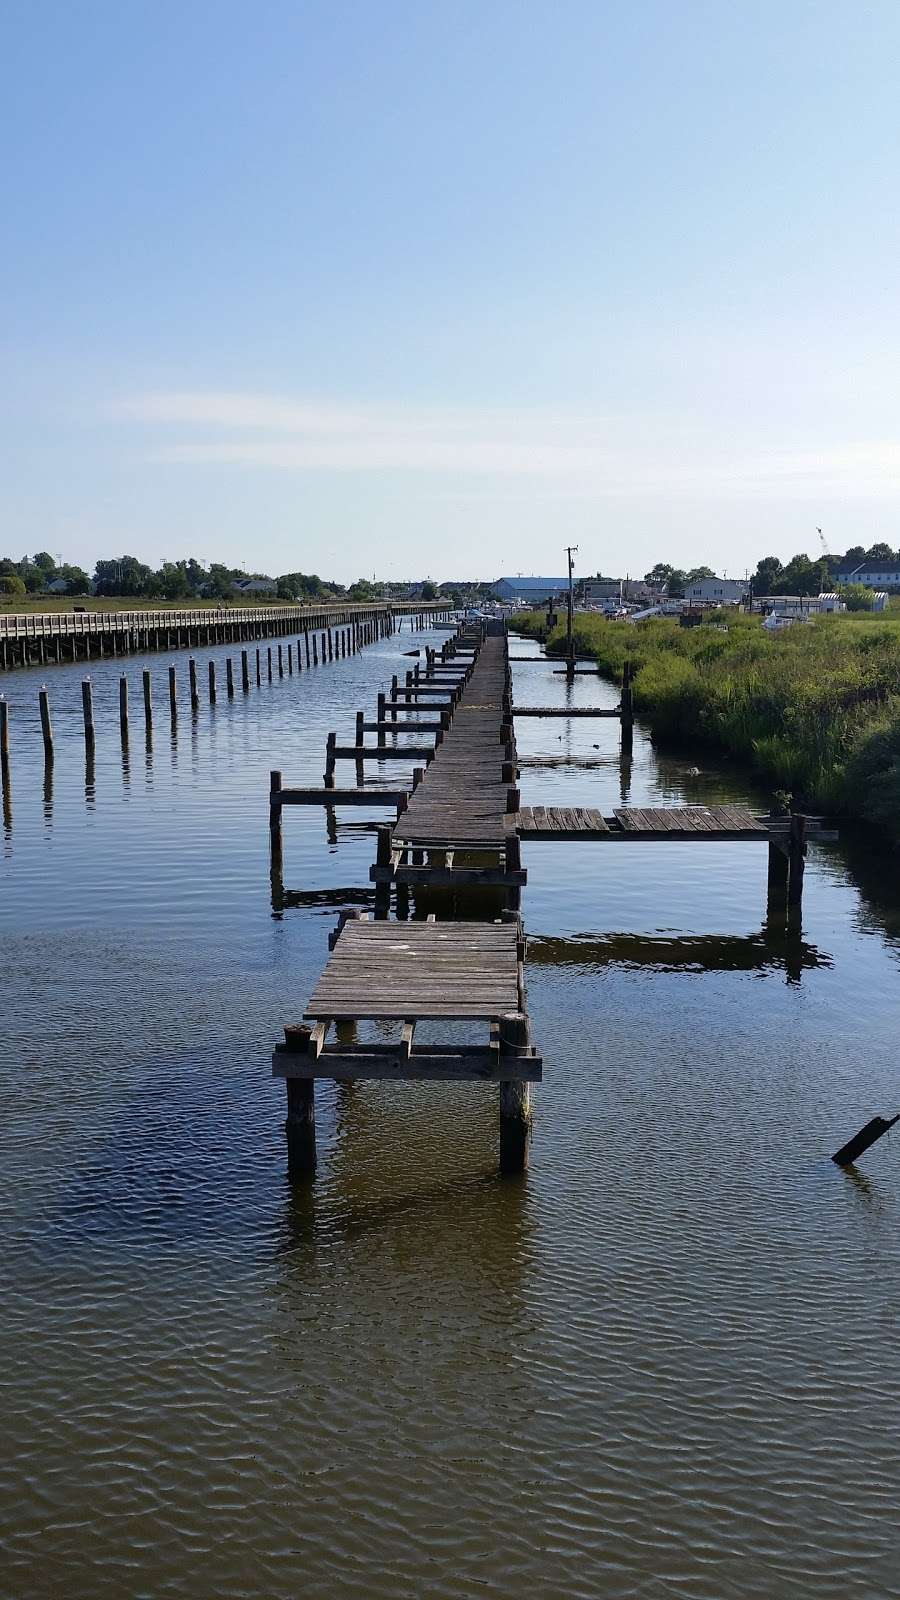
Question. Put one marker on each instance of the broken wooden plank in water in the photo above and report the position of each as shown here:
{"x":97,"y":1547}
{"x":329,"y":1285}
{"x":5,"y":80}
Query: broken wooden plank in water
{"x":861,"y":1141}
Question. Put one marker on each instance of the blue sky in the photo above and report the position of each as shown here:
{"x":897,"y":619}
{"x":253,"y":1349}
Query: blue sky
{"x":441,"y":287}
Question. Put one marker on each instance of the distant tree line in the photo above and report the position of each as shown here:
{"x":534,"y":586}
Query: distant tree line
{"x":128,"y":578}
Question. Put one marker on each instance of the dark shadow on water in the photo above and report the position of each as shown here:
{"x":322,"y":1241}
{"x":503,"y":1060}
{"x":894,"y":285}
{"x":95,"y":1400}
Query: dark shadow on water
{"x":768,"y":951}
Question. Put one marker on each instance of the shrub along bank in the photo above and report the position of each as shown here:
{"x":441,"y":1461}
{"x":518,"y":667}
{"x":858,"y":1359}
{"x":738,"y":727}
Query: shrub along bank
{"x":815,"y":708}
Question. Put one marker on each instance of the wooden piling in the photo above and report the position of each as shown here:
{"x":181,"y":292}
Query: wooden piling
{"x":212,"y":683}
{"x":46,"y":724}
{"x":383,"y":889}
{"x":275,"y":812}
{"x":245,"y":672}
{"x":300,"y":1126}
{"x":173,"y":698}
{"x":315,"y":650}
{"x":515,"y":1101}
{"x":4,"y":729}
{"x":796,"y":862}
{"x":330,"y":743}
{"x":269,"y":662}
{"x":192,"y":679}
{"x":258,"y":670}
{"x":123,"y":708}
{"x":148,"y":700}
{"x":229,"y":677}
{"x":87,"y":707}
{"x":290,"y":651}
{"x":306,"y":643}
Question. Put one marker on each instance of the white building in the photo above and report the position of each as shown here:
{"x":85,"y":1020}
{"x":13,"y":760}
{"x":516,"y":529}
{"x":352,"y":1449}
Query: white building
{"x":716,"y":591}
{"x":874,"y":574}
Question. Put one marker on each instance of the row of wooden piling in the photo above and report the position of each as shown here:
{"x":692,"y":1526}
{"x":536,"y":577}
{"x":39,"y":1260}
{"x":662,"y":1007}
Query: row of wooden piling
{"x":314,"y":648}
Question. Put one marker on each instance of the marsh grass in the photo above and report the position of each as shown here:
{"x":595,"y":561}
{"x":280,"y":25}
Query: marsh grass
{"x":814,"y":709}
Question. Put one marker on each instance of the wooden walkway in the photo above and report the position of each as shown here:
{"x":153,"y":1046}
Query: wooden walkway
{"x":463,"y":814}
{"x":462,"y":801}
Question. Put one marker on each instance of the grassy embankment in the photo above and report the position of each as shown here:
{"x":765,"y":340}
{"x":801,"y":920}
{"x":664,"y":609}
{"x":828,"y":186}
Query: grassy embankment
{"x":814,"y":709}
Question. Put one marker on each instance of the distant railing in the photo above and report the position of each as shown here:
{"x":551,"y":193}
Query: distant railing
{"x":44,"y":624}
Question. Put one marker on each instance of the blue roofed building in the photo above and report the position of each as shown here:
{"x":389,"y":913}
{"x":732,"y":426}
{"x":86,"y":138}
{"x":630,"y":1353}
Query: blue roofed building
{"x":528,"y":591}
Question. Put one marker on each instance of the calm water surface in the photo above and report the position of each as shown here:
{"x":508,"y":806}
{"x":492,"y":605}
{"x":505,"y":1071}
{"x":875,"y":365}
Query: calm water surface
{"x":662,"y":1364}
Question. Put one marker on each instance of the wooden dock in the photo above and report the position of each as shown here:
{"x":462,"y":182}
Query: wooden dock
{"x":36,"y":638}
{"x":459,"y":825}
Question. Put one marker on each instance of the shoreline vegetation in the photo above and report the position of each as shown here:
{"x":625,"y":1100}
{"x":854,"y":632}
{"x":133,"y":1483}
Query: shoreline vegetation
{"x":814,"y":710}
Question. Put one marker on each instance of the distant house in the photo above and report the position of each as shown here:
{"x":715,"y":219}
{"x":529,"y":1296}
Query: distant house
{"x":716,"y":591}
{"x":873,"y":574}
{"x":58,"y":586}
{"x":528,"y":591}
{"x":256,"y":586}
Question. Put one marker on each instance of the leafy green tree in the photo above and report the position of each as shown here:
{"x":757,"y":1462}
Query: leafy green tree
{"x":696,"y":573}
{"x":429,"y":590}
{"x":854,"y":557}
{"x":676,"y":583}
{"x":11,"y":583}
{"x":220,"y":583}
{"x":803,"y":576}
{"x":362,"y":589}
{"x":75,"y":578}
{"x":880,"y":552}
{"x":658,"y":576}
{"x":124,"y":575}
{"x":768,"y":577}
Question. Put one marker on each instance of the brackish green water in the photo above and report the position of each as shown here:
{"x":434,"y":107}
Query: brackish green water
{"x":660,"y":1365}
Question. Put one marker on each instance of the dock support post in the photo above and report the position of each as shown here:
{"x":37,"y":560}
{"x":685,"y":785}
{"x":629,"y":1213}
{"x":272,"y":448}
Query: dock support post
{"x":173,"y":700}
{"x":275,"y":821}
{"x":796,"y":864}
{"x":212,"y":683}
{"x":192,"y":677}
{"x":513,"y":864}
{"x":626,"y":713}
{"x":4,"y":729}
{"x":515,"y":1102}
{"x":229,"y":677}
{"x":123,"y":708}
{"x":148,"y":701}
{"x":383,"y":888}
{"x":46,"y":724}
{"x":300,"y":1127}
{"x":330,"y":743}
{"x":300,"y":1123}
{"x":381,"y":737}
{"x":87,"y":706}
{"x":245,"y":672}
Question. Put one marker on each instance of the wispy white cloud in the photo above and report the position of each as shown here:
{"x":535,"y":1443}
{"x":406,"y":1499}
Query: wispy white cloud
{"x":577,"y":454}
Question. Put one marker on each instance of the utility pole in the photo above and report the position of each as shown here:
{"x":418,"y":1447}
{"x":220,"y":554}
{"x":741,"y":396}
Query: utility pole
{"x":570,"y":649}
